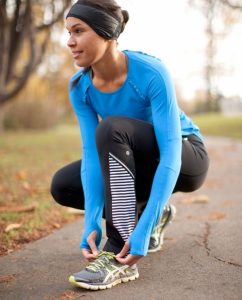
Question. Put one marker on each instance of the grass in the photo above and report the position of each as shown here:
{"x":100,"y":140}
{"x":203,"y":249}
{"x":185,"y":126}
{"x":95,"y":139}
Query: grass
{"x":220,"y":125}
{"x":28,"y":159}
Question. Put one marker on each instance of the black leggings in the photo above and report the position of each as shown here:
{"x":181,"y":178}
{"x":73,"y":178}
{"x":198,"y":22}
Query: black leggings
{"x":128,"y":151}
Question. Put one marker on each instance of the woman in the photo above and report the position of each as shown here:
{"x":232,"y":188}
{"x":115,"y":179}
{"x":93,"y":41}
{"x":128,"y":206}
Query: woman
{"x":138,"y":147}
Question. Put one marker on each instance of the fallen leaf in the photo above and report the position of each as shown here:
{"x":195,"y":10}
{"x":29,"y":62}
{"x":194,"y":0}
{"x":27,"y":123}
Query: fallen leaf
{"x":198,"y":199}
{"x":56,"y":225}
{"x":1,"y":188}
{"x":29,"y":208}
{"x":229,"y":203}
{"x":7,"y":278}
{"x":169,"y":238}
{"x":12,"y":227}
{"x":21,"y":175}
{"x":190,"y":217}
{"x":213,"y":183}
{"x":216,"y":216}
{"x":26,"y":186}
{"x":69,"y":295}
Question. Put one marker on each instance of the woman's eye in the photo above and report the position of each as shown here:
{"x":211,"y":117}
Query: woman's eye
{"x":76,"y":31}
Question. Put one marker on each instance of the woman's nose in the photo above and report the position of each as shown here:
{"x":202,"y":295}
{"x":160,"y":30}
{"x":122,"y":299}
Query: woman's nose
{"x":71,"y":42}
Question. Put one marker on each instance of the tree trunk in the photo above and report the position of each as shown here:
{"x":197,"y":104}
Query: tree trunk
{"x":19,"y":34}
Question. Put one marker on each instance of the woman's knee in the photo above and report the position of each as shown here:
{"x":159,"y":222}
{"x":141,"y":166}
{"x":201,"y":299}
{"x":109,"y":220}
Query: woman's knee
{"x":187,"y":184}
{"x":66,"y":187}
{"x":57,"y":186}
{"x":107,"y":130}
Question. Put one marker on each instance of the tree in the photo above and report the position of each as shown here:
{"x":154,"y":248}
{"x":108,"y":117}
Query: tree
{"x":234,"y":5}
{"x":228,"y":12}
{"x":25,"y":27}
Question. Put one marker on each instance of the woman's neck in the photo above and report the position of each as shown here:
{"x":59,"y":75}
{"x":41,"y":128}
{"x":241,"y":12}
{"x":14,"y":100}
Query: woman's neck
{"x":111,"y":72}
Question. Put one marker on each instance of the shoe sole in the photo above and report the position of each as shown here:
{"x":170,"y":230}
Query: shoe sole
{"x":171,"y":218}
{"x":101,"y":287}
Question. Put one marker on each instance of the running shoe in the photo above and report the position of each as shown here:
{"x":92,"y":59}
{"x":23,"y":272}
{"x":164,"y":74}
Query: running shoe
{"x":104,"y":272}
{"x":157,"y":237}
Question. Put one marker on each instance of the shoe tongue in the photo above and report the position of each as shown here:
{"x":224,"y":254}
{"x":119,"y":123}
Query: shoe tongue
{"x":108,"y":255}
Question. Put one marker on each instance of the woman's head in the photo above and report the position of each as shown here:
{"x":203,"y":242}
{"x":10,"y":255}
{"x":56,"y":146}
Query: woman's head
{"x":105,"y":17}
{"x":94,"y":26}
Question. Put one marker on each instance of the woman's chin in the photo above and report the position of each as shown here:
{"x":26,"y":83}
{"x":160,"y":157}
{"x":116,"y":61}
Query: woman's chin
{"x":80,"y":64}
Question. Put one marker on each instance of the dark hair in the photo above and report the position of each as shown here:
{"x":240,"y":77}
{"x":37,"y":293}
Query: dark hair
{"x":110,"y":7}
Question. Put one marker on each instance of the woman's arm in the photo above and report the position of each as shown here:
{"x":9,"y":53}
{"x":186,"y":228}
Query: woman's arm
{"x":90,"y":169}
{"x":166,"y":123}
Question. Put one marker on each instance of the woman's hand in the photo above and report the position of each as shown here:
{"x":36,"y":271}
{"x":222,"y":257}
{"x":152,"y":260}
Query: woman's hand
{"x":92,"y":253}
{"x":129,"y":259}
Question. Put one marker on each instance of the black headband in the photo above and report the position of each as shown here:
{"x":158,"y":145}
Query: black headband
{"x":101,"y":22}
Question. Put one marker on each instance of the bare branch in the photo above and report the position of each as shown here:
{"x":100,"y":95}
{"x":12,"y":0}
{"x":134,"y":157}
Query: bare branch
{"x":19,"y":29}
{"x":231,"y":5}
{"x":58,"y":17}
{"x":2,"y":39}
{"x":19,"y":34}
{"x":22,"y":80}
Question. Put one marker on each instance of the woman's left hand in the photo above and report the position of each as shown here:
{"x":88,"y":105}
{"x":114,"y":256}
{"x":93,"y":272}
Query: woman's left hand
{"x":129,"y":259}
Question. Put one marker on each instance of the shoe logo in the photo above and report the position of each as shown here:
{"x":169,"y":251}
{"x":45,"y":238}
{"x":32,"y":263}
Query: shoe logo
{"x":115,"y":273}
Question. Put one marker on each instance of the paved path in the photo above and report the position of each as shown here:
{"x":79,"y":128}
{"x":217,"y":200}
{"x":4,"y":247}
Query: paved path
{"x":201,"y":257}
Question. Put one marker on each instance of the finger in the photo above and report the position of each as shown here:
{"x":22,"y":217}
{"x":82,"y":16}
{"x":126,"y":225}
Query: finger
{"x":93,"y":247}
{"x":121,"y":260}
{"x":124,"y":250}
{"x":88,"y":255}
{"x":129,"y":260}
{"x":92,"y":243}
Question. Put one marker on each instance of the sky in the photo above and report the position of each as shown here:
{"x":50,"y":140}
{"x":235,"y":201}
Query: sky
{"x":174,"y":32}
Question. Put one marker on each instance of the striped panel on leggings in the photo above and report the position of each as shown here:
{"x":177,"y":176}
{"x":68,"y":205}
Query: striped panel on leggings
{"x":122,"y":186}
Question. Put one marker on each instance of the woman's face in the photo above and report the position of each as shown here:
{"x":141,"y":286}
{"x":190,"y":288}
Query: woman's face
{"x":86,"y":46}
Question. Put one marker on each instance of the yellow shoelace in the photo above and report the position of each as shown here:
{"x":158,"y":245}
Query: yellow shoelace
{"x":102,"y":260}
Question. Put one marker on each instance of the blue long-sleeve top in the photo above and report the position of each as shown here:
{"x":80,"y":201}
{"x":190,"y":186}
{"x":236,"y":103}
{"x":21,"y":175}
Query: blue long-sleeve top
{"x":147,"y":94}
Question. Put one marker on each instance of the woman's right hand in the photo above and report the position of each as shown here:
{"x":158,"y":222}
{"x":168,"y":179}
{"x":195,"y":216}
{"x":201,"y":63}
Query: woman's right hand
{"x":92,"y":253}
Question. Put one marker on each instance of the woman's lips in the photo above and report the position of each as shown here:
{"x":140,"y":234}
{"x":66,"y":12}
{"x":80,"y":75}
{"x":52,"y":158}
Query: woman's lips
{"x":76,"y":54}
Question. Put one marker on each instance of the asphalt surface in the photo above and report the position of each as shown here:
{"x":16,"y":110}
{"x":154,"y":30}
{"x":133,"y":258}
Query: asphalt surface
{"x":201,"y":256}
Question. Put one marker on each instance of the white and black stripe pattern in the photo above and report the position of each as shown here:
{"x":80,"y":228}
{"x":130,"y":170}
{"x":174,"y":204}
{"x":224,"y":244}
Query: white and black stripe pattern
{"x":122,"y":186}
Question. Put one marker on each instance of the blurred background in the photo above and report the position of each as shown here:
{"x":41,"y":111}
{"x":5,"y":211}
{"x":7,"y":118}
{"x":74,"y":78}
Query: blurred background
{"x":200,"y":41}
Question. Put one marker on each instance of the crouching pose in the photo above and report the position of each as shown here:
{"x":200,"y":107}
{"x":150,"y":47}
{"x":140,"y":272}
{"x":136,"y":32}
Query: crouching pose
{"x":138,"y":147}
